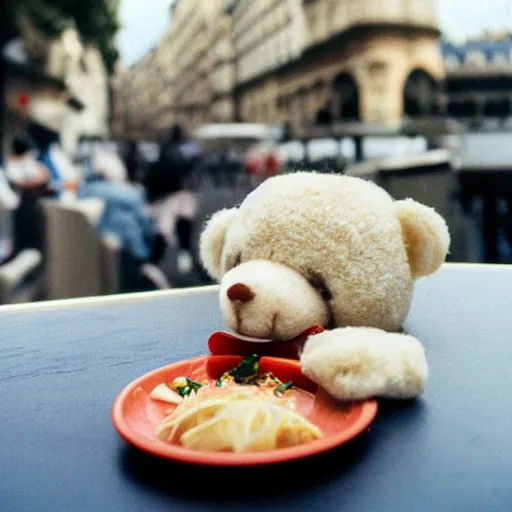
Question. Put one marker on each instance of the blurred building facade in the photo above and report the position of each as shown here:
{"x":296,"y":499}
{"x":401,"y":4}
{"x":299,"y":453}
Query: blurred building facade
{"x":137,"y":97}
{"x":84,"y":79}
{"x":222,"y":65}
{"x":359,"y":60}
{"x":188,"y":48}
{"x":479,"y":76}
{"x":82,"y":69}
{"x":301,"y":61}
{"x":189,"y":77}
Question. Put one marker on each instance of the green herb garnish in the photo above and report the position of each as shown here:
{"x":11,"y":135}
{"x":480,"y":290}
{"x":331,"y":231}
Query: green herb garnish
{"x":190,"y":386}
{"x":283,"y":387}
{"x":246,"y":371}
{"x":184,"y":391}
{"x":194,"y":384}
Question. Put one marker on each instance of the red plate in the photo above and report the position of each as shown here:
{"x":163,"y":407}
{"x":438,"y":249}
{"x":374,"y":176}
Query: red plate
{"x":135,"y":414}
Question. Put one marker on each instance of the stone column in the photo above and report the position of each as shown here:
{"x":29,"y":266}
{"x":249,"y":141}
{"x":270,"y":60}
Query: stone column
{"x":381,"y":101}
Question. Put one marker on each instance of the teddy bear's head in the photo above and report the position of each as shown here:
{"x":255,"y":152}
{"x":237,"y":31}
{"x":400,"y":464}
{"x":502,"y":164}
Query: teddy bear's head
{"x":309,"y":249}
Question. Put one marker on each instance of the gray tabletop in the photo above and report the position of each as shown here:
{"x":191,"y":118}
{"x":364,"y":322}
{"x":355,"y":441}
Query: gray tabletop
{"x":62,"y":367}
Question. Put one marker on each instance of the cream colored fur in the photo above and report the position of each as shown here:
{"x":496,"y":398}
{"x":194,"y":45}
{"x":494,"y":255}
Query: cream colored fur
{"x":334,"y":251}
{"x":358,"y":362}
{"x":276,"y":312}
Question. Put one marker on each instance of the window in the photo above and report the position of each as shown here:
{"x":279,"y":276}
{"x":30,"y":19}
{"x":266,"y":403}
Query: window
{"x":500,"y":60}
{"x":452,"y":61}
{"x":475,"y":58}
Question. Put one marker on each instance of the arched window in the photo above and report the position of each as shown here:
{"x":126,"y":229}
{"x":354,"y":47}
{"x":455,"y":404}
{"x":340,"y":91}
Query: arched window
{"x":346,"y":96}
{"x":302,"y":103}
{"x":318,"y":88}
{"x":420,"y":91}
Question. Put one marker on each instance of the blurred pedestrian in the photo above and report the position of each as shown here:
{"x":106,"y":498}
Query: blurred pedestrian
{"x":174,"y":169}
{"x":131,"y":160}
{"x":171,"y":186}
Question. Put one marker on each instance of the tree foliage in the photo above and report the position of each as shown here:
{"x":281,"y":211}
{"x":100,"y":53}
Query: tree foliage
{"x":95,"y":20}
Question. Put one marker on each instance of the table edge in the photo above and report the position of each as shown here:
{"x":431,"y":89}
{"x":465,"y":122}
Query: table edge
{"x":180,"y":292}
{"x":106,"y":299}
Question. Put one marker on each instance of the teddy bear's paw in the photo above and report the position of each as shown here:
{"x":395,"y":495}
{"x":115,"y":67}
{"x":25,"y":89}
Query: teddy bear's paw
{"x":359,"y":363}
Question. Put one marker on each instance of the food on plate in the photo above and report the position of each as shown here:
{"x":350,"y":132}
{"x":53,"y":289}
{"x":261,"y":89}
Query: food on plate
{"x":236,"y":418}
{"x":164,"y":393}
{"x":173,"y":393}
{"x":242,"y":411}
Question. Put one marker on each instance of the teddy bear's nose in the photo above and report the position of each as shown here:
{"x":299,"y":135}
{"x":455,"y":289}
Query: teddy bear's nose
{"x":241,"y":292}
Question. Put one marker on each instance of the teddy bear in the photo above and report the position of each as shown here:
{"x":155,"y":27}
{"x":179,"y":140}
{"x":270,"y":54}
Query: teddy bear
{"x":338,"y":252}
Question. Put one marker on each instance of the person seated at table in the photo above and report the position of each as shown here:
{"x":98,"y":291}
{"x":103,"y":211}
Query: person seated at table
{"x":64,"y":176}
{"x":125,"y":216}
{"x":9,"y":199}
{"x":30,"y":180}
{"x":25,"y":173}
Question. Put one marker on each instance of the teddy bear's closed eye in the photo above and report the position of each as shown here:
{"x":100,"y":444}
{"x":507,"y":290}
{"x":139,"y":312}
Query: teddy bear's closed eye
{"x":318,"y":283}
{"x":233,"y":261}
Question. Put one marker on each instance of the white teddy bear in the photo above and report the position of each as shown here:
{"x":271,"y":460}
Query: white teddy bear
{"x":309,"y":249}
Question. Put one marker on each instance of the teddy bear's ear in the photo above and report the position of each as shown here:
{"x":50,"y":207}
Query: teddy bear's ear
{"x":426,"y":236}
{"x":212,"y":240}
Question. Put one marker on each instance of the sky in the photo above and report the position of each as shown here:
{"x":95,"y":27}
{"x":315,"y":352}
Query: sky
{"x":144,"y":21}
